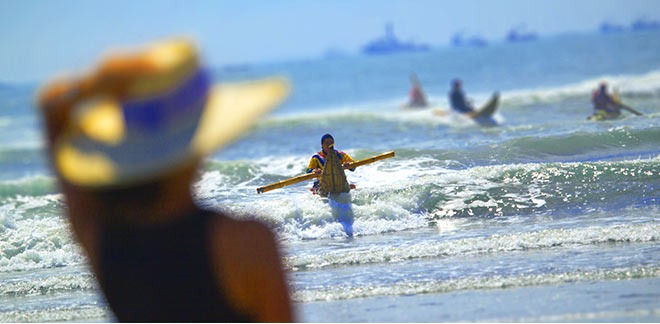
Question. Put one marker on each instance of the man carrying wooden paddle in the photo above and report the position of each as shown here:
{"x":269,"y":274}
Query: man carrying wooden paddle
{"x":335,"y":178}
{"x":328,"y":165}
{"x":312,"y":175}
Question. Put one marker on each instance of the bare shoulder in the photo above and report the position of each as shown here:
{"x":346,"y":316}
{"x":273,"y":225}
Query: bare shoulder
{"x":245,"y":231}
{"x":243,"y":238}
{"x":248,"y":264}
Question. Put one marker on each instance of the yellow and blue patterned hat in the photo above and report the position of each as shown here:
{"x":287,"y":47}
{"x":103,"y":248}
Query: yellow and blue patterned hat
{"x":157,"y":118}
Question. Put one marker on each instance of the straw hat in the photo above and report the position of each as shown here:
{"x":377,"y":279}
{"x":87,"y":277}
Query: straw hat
{"x":139,"y":123}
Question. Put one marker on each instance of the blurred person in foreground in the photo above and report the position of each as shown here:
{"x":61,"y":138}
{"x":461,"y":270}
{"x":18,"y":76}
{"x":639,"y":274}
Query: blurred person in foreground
{"x":126,"y":142}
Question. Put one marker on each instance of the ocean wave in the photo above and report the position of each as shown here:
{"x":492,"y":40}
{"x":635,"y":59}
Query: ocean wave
{"x":538,"y":188}
{"x":21,"y":159}
{"x":618,"y":315}
{"x":611,"y":143}
{"x":629,"y":86}
{"x":411,"y":287}
{"x":418,"y":188}
{"x":58,"y":313}
{"x":413,"y":192}
{"x":636,"y":88}
{"x":42,"y":285}
{"x":616,"y":143}
{"x":30,"y":186}
{"x":33,"y":234}
{"x":534,"y":240}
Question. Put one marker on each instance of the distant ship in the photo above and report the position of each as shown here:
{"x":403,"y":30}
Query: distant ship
{"x":518,"y":35}
{"x":389,"y":44}
{"x":645,"y":24}
{"x":475,"y":41}
{"x":608,"y":28}
{"x":639,"y":24}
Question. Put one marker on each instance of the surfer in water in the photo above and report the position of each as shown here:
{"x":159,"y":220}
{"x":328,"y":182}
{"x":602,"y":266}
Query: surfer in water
{"x":608,"y":106}
{"x":458,"y":101}
{"x":461,"y":104}
{"x":605,"y":105}
{"x":330,"y":164}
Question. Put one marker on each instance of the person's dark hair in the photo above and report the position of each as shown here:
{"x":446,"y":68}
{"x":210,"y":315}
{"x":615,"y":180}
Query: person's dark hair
{"x":326,"y":136}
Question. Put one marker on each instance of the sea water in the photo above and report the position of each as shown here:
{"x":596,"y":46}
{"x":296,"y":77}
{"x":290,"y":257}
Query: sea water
{"x":546,"y":217}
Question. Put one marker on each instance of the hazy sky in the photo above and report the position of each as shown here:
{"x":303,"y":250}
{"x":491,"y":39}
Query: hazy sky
{"x":41,"y":38}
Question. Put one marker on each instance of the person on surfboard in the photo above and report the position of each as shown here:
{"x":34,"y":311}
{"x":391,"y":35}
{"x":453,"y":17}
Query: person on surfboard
{"x":605,"y":105}
{"x":457,"y":99}
{"x":417,"y":95}
{"x":317,"y":161}
{"x":461,"y":104}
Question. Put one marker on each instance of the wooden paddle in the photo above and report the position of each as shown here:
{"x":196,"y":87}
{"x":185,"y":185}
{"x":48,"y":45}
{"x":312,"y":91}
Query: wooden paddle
{"x":618,"y":101}
{"x":630,"y":109}
{"x":310,"y":176}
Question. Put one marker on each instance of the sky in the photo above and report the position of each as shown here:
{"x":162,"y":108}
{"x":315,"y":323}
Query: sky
{"x":43,"y":38}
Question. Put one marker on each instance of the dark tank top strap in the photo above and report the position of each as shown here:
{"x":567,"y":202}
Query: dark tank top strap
{"x":164,"y":273}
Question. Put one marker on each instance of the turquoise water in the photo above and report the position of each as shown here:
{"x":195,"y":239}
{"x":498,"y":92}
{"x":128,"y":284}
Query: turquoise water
{"x":546,"y":217}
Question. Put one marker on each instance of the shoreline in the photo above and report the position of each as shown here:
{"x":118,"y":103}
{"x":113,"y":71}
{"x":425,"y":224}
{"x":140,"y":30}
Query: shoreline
{"x":634,"y":300}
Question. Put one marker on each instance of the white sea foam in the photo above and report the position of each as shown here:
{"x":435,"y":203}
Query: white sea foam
{"x":32,"y":235}
{"x":648,"y":83}
{"x":58,"y":314}
{"x":646,"y":232}
{"x":412,"y":287}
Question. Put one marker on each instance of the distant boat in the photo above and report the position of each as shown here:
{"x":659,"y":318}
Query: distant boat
{"x":389,"y":44}
{"x":475,"y":41}
{"x":608,"y":28}
{"x":517,"y":34}
{"x":645,"y":24}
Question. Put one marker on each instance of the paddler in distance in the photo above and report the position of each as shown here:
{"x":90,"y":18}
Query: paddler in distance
{"x":607,"y":106}
{"x":458,"y":100}
{"x":461,"y":104}
{"x":317,"y":161}
{"x":417,"y":95}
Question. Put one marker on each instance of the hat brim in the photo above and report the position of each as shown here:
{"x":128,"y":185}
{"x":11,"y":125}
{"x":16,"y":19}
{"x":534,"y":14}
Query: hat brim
{"x":230,"y":110}
{"x":233,"y":108}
